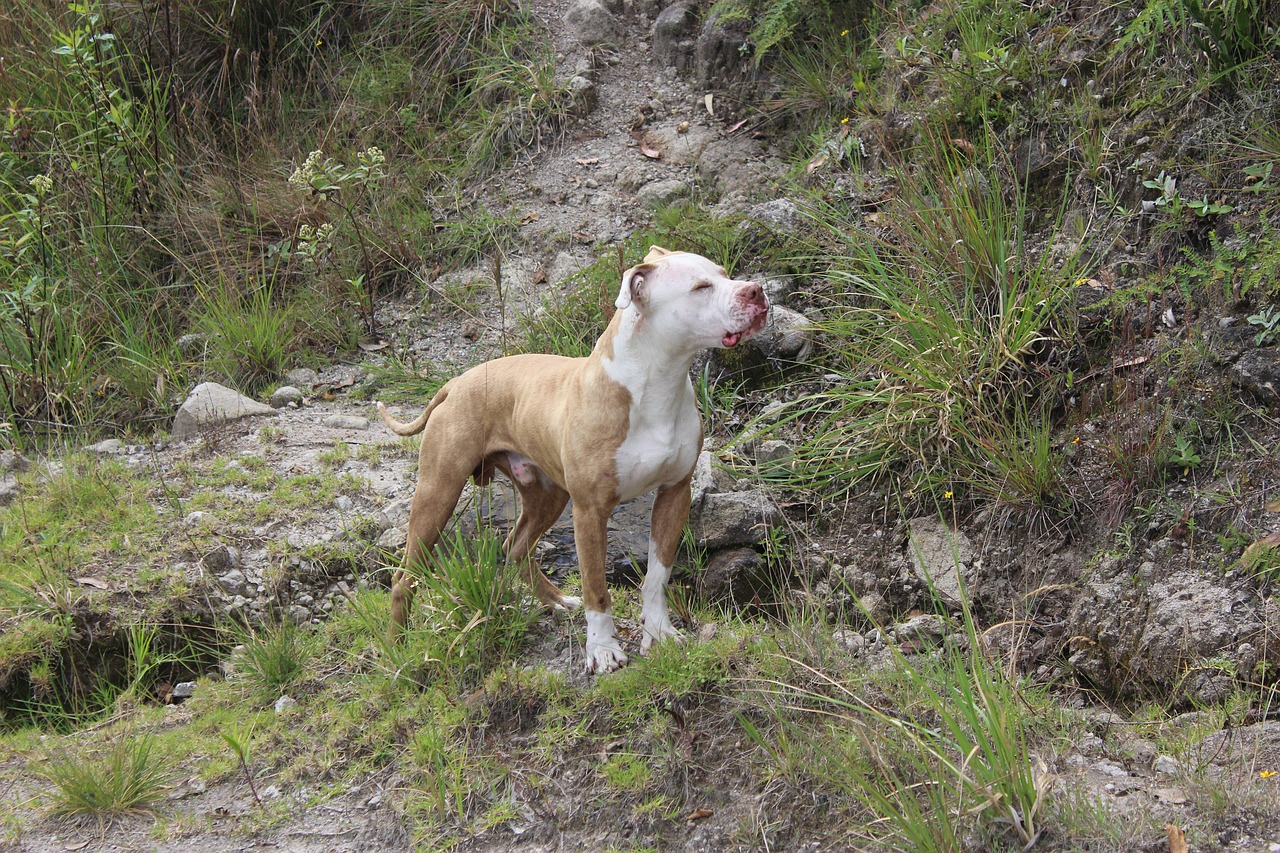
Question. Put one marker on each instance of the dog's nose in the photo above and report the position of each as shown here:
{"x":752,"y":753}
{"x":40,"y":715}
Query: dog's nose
{"x":754,"y":293}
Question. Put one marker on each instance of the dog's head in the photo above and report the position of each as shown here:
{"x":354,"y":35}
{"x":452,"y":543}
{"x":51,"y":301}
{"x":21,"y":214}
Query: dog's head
{"x":689,"y":296}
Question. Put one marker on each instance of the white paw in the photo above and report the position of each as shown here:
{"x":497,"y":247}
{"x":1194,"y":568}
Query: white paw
{"x":656,"y":632}
{"x":605,"y":656}
{"x":568,"y":602}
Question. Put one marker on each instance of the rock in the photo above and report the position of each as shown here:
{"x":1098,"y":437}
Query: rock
{"x":708,"y":477}
{"x":197,"y":518}
{"x":674,"y":36}
{"x":787,"y":337}
{"x":345,"y":422}
{"x":284,"y":395}
{"x":302,"y":377}
{"x":108,"y":447}
{"x":778,"y":289}
{"x":772,"y":451}
{"x":13,"y":461}
{"x":939,"y":556}
{"x":658,"y":194}
{"x":192,"y":346}
{"x":221,"y":559}
{"x":724,"y":58}
{"x":734,"y":165}
{"x":1258,"y":372}
{"x":393,"y":539}
{"x":211,"y":404}
{"x":726,"y":519}
{"x":583,"y":95}
{"x":284,"y":703}
{"x":234,"y":582}
{"x":184,"y":690}
{"x":592,"y":23}
{"x":680,"y":148}
{"x":927,"y":630}
{"x":875,"y":606}
{"x":343,"y":504}
{"x":737,"y":574}
{"x":780,"y":215}
{"x":1166,"y":765}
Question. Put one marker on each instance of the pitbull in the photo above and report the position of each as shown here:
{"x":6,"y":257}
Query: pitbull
{"x":599,"y":430}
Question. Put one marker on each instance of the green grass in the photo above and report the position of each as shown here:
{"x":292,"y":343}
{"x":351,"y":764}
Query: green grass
{"x":129,"y":775}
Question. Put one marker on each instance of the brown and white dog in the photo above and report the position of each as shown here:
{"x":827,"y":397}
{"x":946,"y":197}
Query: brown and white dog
{"x":602,"y":429}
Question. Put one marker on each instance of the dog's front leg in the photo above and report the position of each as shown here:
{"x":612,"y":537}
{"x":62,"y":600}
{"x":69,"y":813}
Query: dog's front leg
{"x":590,"y":530}
{"x":670,"y":512}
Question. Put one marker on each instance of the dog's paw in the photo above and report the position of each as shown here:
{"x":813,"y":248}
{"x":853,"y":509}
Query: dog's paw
{"x":659,"y":631}
{"x":568,"y":602}
{"x":605,"y":656}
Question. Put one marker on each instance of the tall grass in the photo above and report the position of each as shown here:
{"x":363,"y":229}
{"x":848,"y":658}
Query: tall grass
{"x":941,"y":324}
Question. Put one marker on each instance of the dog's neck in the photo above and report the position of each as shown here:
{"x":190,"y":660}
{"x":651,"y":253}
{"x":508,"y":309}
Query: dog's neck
{"x":653,"y":363}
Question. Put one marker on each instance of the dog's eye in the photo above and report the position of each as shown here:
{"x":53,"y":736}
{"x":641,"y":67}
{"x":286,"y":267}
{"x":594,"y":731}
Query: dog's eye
{"x":702,"y":285}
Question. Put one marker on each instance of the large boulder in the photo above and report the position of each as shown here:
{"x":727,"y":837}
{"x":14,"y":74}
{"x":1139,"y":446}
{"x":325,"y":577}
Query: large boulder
{"x":592,"y":23}
{"x":211,"y":404}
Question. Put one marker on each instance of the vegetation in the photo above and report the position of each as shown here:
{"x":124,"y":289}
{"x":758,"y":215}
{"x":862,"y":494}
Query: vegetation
{"x":1033,"y":239}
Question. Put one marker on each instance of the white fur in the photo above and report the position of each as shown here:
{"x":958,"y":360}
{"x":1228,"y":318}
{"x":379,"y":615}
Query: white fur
{"x":604,"y":652}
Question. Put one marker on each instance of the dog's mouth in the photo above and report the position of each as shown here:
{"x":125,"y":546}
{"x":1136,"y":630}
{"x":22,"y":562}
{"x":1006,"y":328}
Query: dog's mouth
{"x":731,"y":339}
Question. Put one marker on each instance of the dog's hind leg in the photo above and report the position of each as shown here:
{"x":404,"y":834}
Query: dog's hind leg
{"x":540,"y":506}
{"x":434,"y":500}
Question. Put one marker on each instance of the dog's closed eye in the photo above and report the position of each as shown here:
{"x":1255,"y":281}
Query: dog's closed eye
{"x":701,"y":284}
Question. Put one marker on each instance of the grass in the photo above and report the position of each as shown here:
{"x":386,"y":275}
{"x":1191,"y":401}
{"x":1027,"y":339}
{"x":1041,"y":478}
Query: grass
{"x":129,"y":776}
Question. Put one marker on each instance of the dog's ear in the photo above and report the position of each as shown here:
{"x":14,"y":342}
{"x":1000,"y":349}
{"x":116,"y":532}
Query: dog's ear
{"x":633,"y":286}
{"x":656,"y":252}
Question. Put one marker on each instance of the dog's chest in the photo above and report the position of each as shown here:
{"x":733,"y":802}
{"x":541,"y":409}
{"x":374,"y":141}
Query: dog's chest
{"x":657,"y":451}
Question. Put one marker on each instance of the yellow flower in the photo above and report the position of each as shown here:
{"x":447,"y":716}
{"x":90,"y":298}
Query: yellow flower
{"x":1267,"y":774}
{"x":844,"y":120}
{"x":1075,"y":440}
{"x":947,"y":494}
{"x":844,"y":32}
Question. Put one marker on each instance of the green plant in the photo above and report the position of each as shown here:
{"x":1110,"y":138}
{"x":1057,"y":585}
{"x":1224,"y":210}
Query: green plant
{"x":934,"y":324}
{"x":949,"y":756}
{"x":240,"y":744}
{"x":1231,"y":33}
{"x":1268,"y":322}
{"x":130,"y":776}
{"x":275,"y":656}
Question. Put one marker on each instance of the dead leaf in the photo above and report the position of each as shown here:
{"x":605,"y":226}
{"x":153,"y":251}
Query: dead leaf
{"x":1254,"y":551}
{"x":1173,"y":796}
{"x":531,"y":216}
{"x":873,"y":218}
{"x":588,"y":161}
{"x":93,"y":582}
{"x":1272,"y":505}
{"x":79,"y":845}
{"x":649,"y":151}
{"x":1177,"y":839}
{"x":539,"y":277}
{"x":817,"y":163}
{"x":965,"y":146}
{"x":709,"y":100}
{"x":738,"y":125}
{"x":380,"y":345}
{"x":699,"y":814}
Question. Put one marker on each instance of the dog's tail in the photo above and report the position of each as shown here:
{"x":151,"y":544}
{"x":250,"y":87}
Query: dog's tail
{"x":418,"y":424}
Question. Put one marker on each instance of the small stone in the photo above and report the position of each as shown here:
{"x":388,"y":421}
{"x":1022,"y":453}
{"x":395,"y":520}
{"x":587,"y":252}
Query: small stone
{"x":345,"y":422}
{"x":1166,"y":765}
{"x":284,"y":395}
{"x":284,"y":703}
{"x":184,"y":690}
{"x":108,"y":447}
{"x":199,"y":519}
{"x":342,"y":503}
{"x":302,"y":377}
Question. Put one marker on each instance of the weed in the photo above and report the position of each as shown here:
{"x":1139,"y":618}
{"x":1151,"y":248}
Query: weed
{"x":1268,"y":322}
{"x":130,"y":776}
{"x":275,"y":656}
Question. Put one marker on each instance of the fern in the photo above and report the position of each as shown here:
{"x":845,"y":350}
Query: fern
{"x":1158,"y":18}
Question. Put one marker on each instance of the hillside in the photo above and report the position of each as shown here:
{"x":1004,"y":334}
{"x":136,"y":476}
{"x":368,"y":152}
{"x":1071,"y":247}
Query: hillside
{"x":1008,"y":574}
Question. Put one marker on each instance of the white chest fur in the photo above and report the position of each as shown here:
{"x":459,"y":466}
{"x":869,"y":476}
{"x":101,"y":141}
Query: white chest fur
{"x":660,"y":449}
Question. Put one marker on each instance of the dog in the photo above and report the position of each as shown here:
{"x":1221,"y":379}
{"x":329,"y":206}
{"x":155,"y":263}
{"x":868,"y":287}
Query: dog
{"x":599,"y":430}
